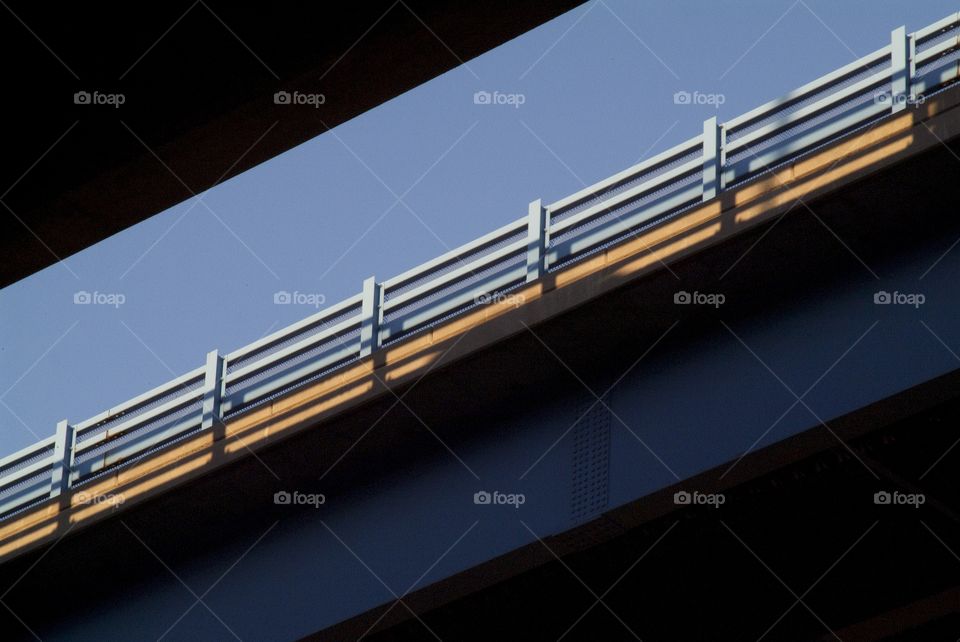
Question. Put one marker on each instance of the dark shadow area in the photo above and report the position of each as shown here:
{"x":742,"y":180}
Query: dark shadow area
{"x":701,"y":573}
{"x":198,"y":81}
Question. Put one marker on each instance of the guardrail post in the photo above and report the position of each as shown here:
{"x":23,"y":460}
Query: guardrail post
{"x":901,"y":62}
{"x":62,"y":459}
{"x":911,"y":62}
{"x":536,"y":240}
{"x":370,"y":316}
{"x":212,"y":393}
{"x":712,"y":158}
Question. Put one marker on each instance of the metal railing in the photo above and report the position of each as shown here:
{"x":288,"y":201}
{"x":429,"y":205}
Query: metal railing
{"x":910,"y":68}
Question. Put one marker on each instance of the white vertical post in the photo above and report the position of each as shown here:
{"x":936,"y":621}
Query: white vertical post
{"x":900,"y":64}
{"x":911,"y":62}
{"x":370,"y":316}
{"x":212,"y":393}
{"x":62,"y":459}
{"x":536,"y":240}
{"x":712,"y":158}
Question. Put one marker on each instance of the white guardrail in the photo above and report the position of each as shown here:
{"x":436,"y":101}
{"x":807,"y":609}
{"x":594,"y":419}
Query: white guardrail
{"x":908,"y":69}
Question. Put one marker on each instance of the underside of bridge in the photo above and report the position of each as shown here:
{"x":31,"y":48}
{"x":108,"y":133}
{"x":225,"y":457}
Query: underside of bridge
{"x":198,"y":80}
{"x":767,"y":564}
{"x":795,"y":552}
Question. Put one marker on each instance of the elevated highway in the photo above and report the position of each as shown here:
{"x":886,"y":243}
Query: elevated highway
{"x":733,"y":416}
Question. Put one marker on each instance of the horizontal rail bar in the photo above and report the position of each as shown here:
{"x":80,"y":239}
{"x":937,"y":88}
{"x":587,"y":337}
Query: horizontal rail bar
{"x":797,"y":95}
{"x":28,"y":453}
{"x":140,"y":400}
{"x":617,"y":226}
{"x":168,"y":408}
{"x":423,"y":316}
{"x":283,"y":334}
{"x":240,"y":399}
{"x":808,"y":112}
{"x":127,"y":451}
{"x":304,"y":345}
{"x":439,"y":283}
{"x":933,"y":80}
{"x":938,"y":50}
{"x":796,"y":145}
{"x":678,"y":173}
{"x":627,"y":175}
{"x":25,"y":473}
{"x":455,"y":255}
{"x":24,"y":498}
{"x":937,"y":28}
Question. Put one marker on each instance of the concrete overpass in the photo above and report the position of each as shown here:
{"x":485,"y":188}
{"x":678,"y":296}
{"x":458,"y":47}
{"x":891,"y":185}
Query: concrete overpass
{"x":736,"y":322}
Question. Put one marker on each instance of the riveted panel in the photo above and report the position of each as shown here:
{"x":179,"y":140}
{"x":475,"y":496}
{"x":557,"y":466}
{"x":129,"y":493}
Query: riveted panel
{"x":591,"y":461}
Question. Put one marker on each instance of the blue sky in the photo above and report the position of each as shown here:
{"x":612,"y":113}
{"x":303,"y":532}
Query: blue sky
{"x":402,"y":183}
